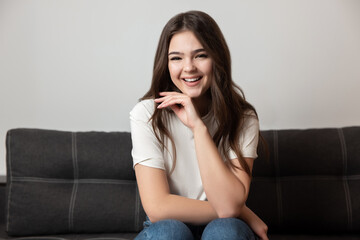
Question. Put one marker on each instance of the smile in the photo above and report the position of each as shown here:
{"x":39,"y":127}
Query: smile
{"x":192,"y":79}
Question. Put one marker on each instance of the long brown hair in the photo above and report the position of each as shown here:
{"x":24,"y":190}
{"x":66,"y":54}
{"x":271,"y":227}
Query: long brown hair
{"x":228,"y":104}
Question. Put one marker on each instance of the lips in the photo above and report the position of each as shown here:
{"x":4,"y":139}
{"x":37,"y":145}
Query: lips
{"x":192,"y":82}
{"x":192,"y":79}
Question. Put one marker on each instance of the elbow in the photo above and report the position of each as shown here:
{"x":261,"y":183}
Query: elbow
{"x":233,"y":207}
{"x":153,"y":219}
{"x":158,"y":209}
{"x":154,"y":216}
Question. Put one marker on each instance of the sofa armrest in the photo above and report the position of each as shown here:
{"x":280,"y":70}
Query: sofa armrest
{"x":2,"y":200}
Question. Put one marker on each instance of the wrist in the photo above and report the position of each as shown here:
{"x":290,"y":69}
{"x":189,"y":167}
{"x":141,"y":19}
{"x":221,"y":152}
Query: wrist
{"x":199,"y":126}
{"x":245,"y":214}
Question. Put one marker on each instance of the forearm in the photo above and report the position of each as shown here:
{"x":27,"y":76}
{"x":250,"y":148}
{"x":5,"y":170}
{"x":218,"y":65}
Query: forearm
{"x":247,"y":215}
{"x":160,"y":204}
{"x":224,"y":190}
{"x":183,"y":209}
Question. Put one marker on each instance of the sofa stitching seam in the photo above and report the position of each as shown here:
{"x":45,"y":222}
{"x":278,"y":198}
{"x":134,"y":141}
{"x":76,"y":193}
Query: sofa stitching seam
{"x":308,"y":178}
{"x":75,"y":187}
{"x":345,"y":179}
{"x":79,"y":181}
{"x":278,"y":182}
{"x":40,"y":238}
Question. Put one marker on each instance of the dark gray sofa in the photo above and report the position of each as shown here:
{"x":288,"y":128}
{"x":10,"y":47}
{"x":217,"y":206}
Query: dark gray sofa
{"x":81,"y":185}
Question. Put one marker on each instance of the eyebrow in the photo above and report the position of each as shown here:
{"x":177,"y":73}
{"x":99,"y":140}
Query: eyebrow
{"x":193,"y":52}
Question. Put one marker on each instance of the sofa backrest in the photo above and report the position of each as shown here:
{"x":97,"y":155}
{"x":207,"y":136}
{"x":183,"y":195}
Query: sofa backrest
{"x":311,"y":182}
{"x":63,"y":182}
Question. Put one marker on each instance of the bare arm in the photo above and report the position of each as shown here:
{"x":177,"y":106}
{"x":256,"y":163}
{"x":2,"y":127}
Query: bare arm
{"x":254,"y":222}
{"x":226,"y":189}
{"x":159,"y":204}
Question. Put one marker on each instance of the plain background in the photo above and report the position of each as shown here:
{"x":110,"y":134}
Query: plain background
{"x":81,"y":65}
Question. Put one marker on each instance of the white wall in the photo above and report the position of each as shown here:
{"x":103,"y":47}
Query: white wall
{"x":82,"y":64}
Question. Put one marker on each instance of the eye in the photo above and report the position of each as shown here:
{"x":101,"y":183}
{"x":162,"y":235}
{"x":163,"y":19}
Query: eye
{"x":203,"y":55}
{"x":175,"y":58}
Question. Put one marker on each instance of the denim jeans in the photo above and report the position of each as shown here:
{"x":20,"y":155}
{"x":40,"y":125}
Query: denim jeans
{"x":221,"y":228}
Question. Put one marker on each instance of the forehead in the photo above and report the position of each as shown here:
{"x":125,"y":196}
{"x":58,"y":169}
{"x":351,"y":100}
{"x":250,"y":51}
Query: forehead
{"x":184,"y":41}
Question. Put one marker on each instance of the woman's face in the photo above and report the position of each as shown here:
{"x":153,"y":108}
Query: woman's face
{"x":189,"y":65}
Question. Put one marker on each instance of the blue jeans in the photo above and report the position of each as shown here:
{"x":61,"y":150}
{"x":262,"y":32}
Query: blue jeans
{"x":221,"y":228}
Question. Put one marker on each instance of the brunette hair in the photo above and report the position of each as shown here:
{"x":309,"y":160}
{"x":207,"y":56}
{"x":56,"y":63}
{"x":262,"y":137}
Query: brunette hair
{"x":229,"y":107}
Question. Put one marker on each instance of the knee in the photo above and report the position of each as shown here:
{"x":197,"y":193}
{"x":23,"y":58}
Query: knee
{"x":167,"y":229}
{"x":228,"y":228}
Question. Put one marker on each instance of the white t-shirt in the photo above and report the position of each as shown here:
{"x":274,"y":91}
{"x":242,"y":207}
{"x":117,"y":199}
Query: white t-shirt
{"x":185,"y":180}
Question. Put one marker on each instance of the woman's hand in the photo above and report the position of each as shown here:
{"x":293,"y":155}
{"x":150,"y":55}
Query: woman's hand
{"x":182,"y":106}
{"x":254,"y":222}
{"x":259,"y":228}
{"x":261,"y":231}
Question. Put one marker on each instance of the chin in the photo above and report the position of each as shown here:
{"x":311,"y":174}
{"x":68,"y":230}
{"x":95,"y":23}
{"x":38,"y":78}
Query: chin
{"x":193,"y":94}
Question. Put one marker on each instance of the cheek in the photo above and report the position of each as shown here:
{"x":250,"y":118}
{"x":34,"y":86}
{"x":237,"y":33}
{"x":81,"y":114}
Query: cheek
{"x":174,"y":74}
{"x":206,"y":67}
{"x":209,"y":68}
{"x":210,"y":76}
{"x":174,"y":71}
{"x":208,"y":71}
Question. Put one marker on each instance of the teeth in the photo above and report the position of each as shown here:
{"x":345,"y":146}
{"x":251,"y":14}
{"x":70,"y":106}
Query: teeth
{"x":191,"y":79}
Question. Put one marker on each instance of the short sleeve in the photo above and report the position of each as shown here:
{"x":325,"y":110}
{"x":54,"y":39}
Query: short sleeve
{"x":146,"y":148}
{"x":249,"y":137}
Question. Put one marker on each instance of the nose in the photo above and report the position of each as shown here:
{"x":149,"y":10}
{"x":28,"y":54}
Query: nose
{"x":189,"y":66}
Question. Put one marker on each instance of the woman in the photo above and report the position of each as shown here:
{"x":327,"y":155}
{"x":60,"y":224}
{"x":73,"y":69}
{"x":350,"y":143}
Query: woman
{"x":195,"y":139}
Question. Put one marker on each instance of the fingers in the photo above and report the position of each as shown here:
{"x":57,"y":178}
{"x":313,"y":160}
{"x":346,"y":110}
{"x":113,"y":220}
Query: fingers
{"x":181,"y":105}
{"x":167,"y":94}
{"x":171,"y":102}
{"x":264,"y":236}
{"x":176,"y":109}
{"x":171,"y":98}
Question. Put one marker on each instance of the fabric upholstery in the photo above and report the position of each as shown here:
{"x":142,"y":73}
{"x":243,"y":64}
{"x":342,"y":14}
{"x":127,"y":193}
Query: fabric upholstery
{"x":311,"y":181}
{"x":83,"y":183}
{"x":70,"y":182}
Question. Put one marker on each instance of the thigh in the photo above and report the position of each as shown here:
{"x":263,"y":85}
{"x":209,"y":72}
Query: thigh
{"x":228,"y":229}
{"x":165,"y":230}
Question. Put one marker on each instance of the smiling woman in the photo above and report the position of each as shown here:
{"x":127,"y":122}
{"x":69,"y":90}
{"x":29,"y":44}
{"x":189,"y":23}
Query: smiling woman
{"x":189,"y":65}
{"x":195,"y":139}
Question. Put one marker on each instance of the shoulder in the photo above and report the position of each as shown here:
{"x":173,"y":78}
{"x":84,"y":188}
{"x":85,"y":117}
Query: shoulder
{"x":250,"y":121}
{"x":143,"y":110}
